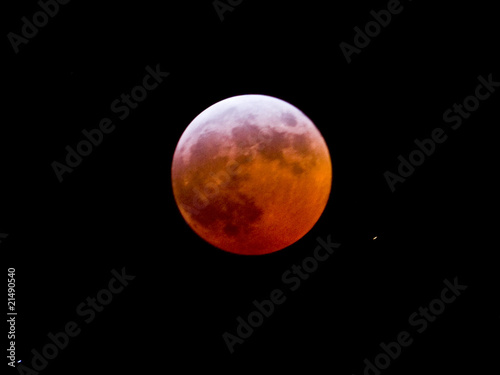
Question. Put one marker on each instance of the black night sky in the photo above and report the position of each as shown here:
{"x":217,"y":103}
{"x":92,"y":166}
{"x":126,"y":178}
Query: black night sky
{"x":115,"y":209}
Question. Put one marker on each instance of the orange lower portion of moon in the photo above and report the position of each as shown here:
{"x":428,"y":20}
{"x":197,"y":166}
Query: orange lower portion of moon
{"x":251,"y":174}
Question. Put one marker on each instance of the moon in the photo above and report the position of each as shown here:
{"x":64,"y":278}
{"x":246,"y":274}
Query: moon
{"x":251,"y":174}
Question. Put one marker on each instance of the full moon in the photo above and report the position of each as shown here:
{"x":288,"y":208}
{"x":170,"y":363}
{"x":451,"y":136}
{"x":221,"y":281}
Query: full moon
{"x":251,"y":174}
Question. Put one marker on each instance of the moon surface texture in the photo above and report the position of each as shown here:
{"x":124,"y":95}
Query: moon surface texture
{"x":251,"y":174}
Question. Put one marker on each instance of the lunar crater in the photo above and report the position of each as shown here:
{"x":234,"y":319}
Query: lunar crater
{"x":289,"y":119}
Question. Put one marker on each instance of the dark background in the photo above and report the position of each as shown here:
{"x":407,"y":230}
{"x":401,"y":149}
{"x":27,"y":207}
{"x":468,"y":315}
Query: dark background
{"x":117,"y":209}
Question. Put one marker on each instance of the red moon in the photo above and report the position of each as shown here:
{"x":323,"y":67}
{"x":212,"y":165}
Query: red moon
{"x":251,"y":174}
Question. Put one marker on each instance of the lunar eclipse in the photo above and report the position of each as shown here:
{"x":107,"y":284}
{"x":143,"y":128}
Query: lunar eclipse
{"x":251,"y":174}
